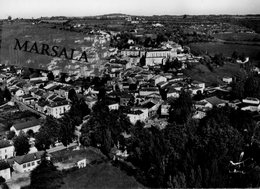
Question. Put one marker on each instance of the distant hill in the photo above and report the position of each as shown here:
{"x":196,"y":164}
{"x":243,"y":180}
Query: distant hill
{"x":115,"y":15}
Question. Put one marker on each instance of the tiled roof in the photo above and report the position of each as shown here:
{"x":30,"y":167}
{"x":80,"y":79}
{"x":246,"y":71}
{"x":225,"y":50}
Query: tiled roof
{"x":27,"y":124}
{"x":4,"y":143}
{"x":59,"y":103}
{"x":214,"y":100}
{"x":4,"y":165}
{"x":28,"y":157}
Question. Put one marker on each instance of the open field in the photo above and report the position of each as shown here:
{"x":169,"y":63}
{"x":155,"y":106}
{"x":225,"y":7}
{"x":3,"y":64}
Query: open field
{"x":102,"y":175}
{"x":238,"y":36}
{"x":201,"y":73}
{"x":253,"y":51}
{"x":45,"y":34}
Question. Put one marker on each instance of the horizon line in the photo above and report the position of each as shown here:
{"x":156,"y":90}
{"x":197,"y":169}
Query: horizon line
{"x":123,"y":14}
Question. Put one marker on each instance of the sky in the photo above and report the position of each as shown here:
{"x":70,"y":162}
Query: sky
{"x":38,"y":8}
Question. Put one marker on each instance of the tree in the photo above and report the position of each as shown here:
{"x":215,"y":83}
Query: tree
{"x":252,"y":87}
{"x":72,"y":95}
{"x":63,"y":77}
{"x":30,"y":133}
{"x":7,"y":94}
{"x":66,"y":130}
{"x":2,"y":180}
{"x":149,"y":151}
{"x":234,"y":55}
{"x":9,"y":18}
{"x":10,"y":135}
{"x":46,"y":175}
{"x":50,"y":76}
{"x":79,"y":109}
{"x":219,"y":59}
{"x":48,"y":133}
{"x":181,"y":108}
{"x":43,"y":140}
{"x":104,"y":127}
{"x":21,"y":144}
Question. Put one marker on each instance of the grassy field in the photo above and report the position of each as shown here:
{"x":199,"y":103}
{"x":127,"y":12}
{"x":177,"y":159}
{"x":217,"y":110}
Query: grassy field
{"x":253,"y":51}
{"x":44,"y":34}
{"x":100,"y":176}
{"x":238,"y":36}
{"x":202,"y":73}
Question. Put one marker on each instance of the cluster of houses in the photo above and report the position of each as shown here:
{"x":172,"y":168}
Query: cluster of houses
{"x":144,"y":94}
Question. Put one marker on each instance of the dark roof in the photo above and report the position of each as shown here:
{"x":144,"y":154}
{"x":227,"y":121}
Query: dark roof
{"x":4,"y":165}
{"x":58,"y":99}
{"x":148,"y":105}
{"x":136,"y":112}
{"x":27,"y":124}
{"x":39,"y":92}
{"x":28,"y":157}
{"x":4,"y":143}
{"x":58,"y":103}
{"x":215,"y":100}
{"x":26,"y":96}
{"x":110,"y":102}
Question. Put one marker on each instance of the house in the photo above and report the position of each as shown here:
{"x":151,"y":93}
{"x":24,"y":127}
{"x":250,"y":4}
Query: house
{"x":215,"y":101}
{"x":250,"y":100}
{"x":57,"y":109}
{"x":172,"y":92}
{"x":148,"y":91}
{"x":159,"y":56}
{"x":234,"y":103}
{"x":152,"y":106}
{"x":38,"y":93}
{"x":27,"y":99}
{"x":64,"y":91}
{"x":199,"y":85}
{"x":227,"y":80}
{"x":28,"y":162}
{"x":137,"y":115}
{"x":91,"y":100}
{"x":202,"y":105}
{"x":251,"y":104}
{"x":165,"y":107}
{"x":19,"y":93}
{"x":41,"y":106}
{"x":5,"y":170}
{"x":125,"y":99}
{"x":6,"y":149}
{"x":195,"y":89}
{"x":199,"y":115}
{"x":157,"y":79}
{"x":33,"y":125}
{"x":112,"y":105}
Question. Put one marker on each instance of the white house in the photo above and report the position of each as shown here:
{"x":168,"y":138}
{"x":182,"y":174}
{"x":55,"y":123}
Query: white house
{"x":199,"y":115}
{"x":137,"y":115}
{"x":19,"y":93}
{"x":33,"y":125}
{"x":173,"y":93}
{"x":165,"y":109}
{"x":227,"y":80}
{"x":6,"y":149}
{"x":199,"y":85}
{"x":157,"y":79}
{"x":215,"y":101}
{"x":5,"y":170}
{"x":57,"y":109}
{"x":28,"y":162}
{"x":250,"y":100}
{"x":148,"y":91}
{"x":113,"y":105}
